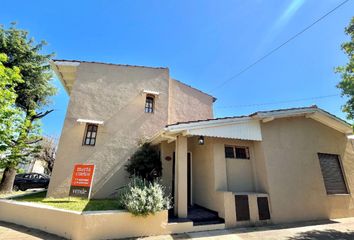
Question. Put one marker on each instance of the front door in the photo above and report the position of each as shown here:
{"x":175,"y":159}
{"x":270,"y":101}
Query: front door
{"x":189,"y":178}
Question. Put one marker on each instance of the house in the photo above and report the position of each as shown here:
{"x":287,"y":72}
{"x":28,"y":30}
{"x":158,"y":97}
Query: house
{"x":271,"y":166}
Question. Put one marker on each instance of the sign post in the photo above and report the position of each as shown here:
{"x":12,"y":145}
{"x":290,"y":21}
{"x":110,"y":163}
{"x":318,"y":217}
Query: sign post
{"x":81,"y":181}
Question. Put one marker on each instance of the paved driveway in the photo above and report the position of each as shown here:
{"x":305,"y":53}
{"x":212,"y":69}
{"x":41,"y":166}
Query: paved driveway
{"x":341,"y":229}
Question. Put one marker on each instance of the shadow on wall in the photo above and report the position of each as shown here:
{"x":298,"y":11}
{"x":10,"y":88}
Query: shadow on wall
{"x":324,"y":235}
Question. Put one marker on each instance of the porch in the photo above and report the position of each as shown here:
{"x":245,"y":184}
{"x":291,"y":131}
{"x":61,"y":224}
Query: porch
{"x":207,"y":169}
{"x":198,"y":215}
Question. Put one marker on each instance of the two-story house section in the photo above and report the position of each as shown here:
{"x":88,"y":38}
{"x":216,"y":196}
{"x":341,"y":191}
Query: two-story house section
{"x":112,"y":108}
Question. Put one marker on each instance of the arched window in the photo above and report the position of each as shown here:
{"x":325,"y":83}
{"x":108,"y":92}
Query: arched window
{"x":149,"y":104}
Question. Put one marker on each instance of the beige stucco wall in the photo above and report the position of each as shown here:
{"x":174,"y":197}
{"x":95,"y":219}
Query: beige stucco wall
{"x":295,"y":182}
{"x":166,"y":150}
{"x":187,"y":103}
{"x":112,"y":94}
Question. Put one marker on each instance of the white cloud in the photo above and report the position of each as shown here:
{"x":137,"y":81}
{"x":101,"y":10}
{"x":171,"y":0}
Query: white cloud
{"x":279,"y":24}
{"x":289,"y":12}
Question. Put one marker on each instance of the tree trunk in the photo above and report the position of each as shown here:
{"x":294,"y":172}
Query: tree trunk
{"x":8,"y":179}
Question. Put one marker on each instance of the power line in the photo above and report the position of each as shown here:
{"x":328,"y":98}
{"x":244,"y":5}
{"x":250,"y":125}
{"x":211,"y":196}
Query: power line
{"x":278,"y":102}
{"x":280,"y":46}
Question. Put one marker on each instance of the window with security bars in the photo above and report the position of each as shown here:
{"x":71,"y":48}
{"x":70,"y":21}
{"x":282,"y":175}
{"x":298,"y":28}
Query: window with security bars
{"x":90,"y":135}
{"x":332,"y":173}
{"x":149,"y":104}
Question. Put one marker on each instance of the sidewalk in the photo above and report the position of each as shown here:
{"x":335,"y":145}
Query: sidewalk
{"x":342,"y":229}
{"x":9,"y":231}
{"x":336,"y":229}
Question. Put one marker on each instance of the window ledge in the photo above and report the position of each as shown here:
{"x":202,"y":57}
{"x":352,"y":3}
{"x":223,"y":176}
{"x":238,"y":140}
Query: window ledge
{"x":339,"y":195}
{"x":237,"y":158}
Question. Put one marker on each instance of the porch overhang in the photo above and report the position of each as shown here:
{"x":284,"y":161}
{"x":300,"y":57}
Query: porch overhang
{"x":245,"y":128}
{"x":314,"y":113}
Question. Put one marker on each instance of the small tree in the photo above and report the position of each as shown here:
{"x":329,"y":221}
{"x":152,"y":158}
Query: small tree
{"x":48,"y":148}
{"x":347,"y":72}
{"x":145,"y":163}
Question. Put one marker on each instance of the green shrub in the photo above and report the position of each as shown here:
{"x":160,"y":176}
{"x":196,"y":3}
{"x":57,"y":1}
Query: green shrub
{"x":145,"y":163}
{"x":142,"y":197}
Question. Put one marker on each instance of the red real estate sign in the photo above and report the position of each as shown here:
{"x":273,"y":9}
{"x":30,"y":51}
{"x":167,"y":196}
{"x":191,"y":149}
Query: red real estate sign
{"x":81,"y":180}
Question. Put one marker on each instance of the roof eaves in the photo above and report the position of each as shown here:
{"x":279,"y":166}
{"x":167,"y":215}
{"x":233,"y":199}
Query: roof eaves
{"x":60,"y":76}
{"x":214,"y":98}
{"x":205,"y":120}
{"x":114,"y":64}
{"x":296,"y":111}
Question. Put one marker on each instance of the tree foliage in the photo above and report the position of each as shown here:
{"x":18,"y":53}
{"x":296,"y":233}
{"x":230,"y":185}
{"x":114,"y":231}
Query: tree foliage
{"x":25,"y":54}
{"x":9,"y":114}
{"x":29,"y":97}
{"x":347,"y":72}
{"x":145,"y":163}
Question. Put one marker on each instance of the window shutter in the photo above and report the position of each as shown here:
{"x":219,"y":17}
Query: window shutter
{"x":242,"y":208}
{"x":263,"y":208}
{"x":332,"y":174}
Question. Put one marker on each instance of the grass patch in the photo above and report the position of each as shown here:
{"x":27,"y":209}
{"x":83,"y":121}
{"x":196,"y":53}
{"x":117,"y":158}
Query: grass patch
{"x":11,"y":194}
{"x":74,"y":204}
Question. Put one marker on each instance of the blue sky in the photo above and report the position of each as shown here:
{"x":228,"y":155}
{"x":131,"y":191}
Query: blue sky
{"x":203,"y":43}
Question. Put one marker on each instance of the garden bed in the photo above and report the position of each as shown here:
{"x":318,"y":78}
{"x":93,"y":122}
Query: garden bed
{"x":86,"y":225}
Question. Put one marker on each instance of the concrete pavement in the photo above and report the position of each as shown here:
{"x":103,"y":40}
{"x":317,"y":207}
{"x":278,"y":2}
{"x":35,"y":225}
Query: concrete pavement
{"x":9,"y":231}
{"x":338,"y":229}
{"x":342,"y":229}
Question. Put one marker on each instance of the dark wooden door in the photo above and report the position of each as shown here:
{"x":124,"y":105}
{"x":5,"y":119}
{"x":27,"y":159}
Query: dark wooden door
{"x":189,"y":178}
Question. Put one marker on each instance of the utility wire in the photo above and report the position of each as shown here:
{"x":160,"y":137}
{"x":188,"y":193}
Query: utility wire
{"x":280,"y":46}
{"x":277,"y":102}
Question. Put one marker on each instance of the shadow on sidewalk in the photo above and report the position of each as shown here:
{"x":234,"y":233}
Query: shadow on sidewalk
{"x":15,"y":230}
{"x":323,"y":235}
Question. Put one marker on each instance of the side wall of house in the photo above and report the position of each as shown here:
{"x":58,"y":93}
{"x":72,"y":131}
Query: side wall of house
{"x":295,"y":183}
{"x":188,"y":104}
{"x":112,"y":94}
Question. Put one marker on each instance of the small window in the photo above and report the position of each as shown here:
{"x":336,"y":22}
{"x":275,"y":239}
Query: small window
{"x":237,"y":152}
{"x":333,"y":176}
{"x":229,"y":152}
{"x":149,"y":104}
{"x":90,"y":135}
{"x":242,"y":152}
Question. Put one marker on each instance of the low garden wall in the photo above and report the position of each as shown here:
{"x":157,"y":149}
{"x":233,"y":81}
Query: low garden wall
{"x":85,"y":225}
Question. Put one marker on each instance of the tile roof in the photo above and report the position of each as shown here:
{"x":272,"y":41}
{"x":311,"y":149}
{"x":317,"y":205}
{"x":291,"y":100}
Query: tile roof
{"x":115,"y":64}
{"x":260,"y":112}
